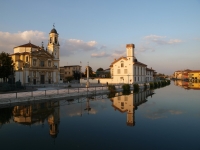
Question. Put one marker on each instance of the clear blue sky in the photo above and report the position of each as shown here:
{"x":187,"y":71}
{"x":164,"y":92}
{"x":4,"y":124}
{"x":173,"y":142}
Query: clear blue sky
{"x":166,"y":34}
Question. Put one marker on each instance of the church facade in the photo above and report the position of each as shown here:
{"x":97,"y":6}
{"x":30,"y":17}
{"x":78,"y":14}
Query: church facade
{"x":38,"y":65}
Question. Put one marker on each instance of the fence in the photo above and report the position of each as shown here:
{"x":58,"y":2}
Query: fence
{"x":41,"y":94}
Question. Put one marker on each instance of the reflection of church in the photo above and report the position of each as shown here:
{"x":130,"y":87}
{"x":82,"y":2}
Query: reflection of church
{"x":38,"y":113}
{"x":129,"y":103}
{"x":38,"y":65}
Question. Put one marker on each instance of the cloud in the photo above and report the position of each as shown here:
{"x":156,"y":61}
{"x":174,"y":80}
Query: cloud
{"x":161,"y":40}
{"x":70,"y":46}
{"x":10,"y":40}
{"x":162,"y":113}
{"x":67,"y":46}
{"x":99,"y":55}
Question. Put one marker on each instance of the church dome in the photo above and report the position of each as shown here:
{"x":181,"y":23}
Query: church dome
{"x":53,"y":31}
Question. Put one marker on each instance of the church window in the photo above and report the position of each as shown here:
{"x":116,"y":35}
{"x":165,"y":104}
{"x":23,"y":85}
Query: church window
{"x":49,"y":63}
{"x":34,"y":62}
{"x":55,"y":40}
{"x":42,"y":63}
{"x":26,"y":58}
{"x":50,"y":40}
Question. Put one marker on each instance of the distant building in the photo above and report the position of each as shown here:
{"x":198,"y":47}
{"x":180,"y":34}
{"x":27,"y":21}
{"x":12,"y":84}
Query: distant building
{"x":192,"y":75}
{"x":103,"y":74}
{"x":127,"y":70}
{"x":73,"y":71}
{"x":37,"y":65}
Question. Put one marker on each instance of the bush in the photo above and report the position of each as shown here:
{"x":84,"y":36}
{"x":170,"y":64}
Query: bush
{"x":145,"y":86}
{"x":111,"y":88}
{"x":155,"y":84}
{"x":151,"y":85}
{"x":159,"y":84}
{"x":126,"y":89}
{"x":136,"y":87}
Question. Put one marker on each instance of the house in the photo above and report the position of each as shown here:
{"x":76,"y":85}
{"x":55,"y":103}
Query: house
{"x":73,"y":71}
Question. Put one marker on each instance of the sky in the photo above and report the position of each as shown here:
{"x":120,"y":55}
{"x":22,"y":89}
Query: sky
{"x":166,"y":34}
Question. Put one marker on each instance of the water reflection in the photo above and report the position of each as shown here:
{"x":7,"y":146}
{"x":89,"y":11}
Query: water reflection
{"x":129,"y":103}
{"x":187,"y":85}
{"x":38,"y":113}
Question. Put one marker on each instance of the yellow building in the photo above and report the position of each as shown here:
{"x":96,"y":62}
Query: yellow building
{"x":70,"y":71}
{"x":194,"y":75}
{"x":37,"y":65}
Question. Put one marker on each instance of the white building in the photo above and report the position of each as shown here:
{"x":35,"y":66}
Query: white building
{"x":37,"y":65}
{"x":127,"y":70}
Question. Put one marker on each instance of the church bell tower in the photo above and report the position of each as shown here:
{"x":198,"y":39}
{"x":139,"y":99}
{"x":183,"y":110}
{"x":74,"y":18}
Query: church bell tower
{"x":53,"y":45}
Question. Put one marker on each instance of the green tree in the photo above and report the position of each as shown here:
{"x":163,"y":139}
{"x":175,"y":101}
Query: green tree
{"x":90,"y":72}
{"x":100,"y":69}
{"x":6,"y":65}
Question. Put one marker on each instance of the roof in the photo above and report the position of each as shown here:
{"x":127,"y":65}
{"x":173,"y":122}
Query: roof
{"x":193,"y":71}
{"x":139,"y":63}
{"x":70,"y":66}
{"x":148,"y":69}
{"x":53,"y":31}
{"x":27,"y":45}
{"x":116,"y":60}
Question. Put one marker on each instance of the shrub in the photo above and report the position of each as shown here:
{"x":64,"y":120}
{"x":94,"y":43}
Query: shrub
{"x":111,"y":88}
{"x":151,"y":85}
{"x":155,"y":84}
{"x":145,"y":86}
{"x":126,"y":89}
{"x":159,"y":84}
{"x":136,"y":87}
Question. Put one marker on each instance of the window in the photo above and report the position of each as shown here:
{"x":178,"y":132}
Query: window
{"x":50,"y":40}
{"x":125,"y":71}
{"x":55,"y":40}
{"x":26,"y":58}
{"x":42,"y":63}
{"x":34,"y":62}
{"x":118,"y":71}
{"x":122,"y":64}
{"x":49,"y":63}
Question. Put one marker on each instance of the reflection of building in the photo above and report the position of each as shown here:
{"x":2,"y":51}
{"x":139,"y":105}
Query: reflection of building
{"x":37,"y":65}
{"x":188,"y":85}
{"x":37,"y":113}
{"x":129,"y":103}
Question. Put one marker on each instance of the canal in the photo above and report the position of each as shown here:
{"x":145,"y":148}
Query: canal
{"x":164,"y":118}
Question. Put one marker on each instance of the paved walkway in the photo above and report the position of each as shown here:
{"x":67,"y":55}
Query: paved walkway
{"x":52,"y":92}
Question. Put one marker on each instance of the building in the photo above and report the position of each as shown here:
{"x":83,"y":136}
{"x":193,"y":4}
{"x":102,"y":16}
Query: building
{"x":129,"y":103}
{"x":194,"y":75}
{"x":127,"y":70}
{"x":149,"y":75}
{"x":73,"y":71}
{"x":37,"y":65}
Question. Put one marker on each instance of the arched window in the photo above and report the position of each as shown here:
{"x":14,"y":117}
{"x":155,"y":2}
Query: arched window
{"x":122,"y":64}
{"x":55,"y":40}
{"x":50,"y":40}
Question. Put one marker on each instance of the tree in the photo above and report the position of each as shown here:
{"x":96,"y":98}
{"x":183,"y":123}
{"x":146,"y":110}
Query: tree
{"x":100,"y":69}
{"x":6,"y":65}
{"x":90,"y":72}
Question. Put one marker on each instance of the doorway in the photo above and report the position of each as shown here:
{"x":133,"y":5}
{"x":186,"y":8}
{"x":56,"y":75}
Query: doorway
{"x":42,"y":79}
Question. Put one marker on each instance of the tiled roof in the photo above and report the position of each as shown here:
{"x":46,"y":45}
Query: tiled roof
{"x":139,"y":63}
{"x":148,"y":69}
{"x":28,"y":45}
{"x":117,"y":60}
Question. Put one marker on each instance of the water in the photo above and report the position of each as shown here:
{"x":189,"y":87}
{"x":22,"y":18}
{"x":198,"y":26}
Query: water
{"x":166,"y":118}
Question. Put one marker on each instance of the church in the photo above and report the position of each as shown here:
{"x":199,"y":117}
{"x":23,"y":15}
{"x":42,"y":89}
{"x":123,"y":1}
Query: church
{"x":36,"y":64}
